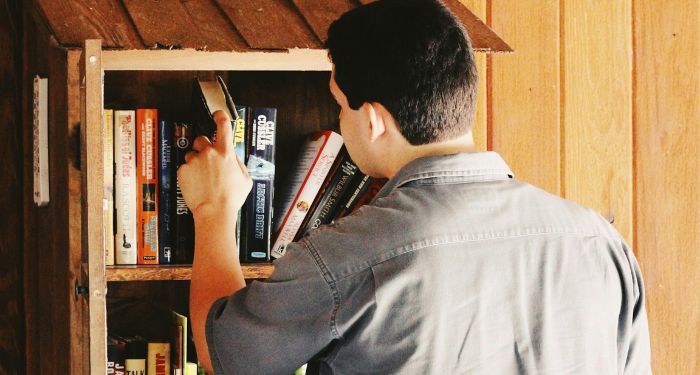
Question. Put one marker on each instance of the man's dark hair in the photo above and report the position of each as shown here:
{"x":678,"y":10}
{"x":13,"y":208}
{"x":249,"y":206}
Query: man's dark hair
{"x":413,"y":57}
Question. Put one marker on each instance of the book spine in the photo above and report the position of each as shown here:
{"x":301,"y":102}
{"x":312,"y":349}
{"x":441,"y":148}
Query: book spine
{"x":147,"y":191}
{"x":158,"y":358}
{"x":184,"y":222}
{"x":239,"y":145}
{"x":125,"y":186}
{"x":108,"y":206}
{"x":259,"y":205}
{"x":328,"y":201}
{"x":306,"y":195}
{"x":166,"y":196}
{"x":116,"y":353}
{"x":136,"y":354}
{"x":358,"y":188}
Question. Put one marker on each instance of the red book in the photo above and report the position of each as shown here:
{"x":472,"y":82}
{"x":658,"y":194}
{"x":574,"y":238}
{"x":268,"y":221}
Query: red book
{"x":147,"y":185}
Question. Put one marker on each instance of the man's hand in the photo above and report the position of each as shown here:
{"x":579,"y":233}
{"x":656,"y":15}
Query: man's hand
{"x":213,"y":178}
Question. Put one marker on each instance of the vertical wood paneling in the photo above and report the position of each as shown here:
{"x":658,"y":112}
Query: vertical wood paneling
{"x":479,"y":126}
{"x":667,"y":116}
{"x":524,"y":90}
{"x":597,"y":109}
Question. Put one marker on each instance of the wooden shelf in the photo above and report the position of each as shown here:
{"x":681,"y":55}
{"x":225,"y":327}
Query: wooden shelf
{"x":176,"y":272}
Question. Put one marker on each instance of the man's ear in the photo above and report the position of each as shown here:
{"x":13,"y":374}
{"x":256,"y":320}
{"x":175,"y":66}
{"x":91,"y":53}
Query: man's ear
{"x":377,"y":121}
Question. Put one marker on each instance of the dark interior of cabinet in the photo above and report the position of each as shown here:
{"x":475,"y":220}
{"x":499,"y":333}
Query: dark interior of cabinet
{"x":303,"y":104}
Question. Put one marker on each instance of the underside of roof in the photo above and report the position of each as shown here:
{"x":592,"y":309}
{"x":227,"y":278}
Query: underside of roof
{"x":218,"y":25}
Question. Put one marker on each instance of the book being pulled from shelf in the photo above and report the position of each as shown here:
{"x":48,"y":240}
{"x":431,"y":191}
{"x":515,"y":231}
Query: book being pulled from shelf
{"x":315,"y":161}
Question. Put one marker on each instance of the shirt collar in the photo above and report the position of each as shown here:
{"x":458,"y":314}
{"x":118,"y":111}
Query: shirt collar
{"x":461,"y":168}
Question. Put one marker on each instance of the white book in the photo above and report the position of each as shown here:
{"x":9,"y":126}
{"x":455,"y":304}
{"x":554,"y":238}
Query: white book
{"x":125,"y":186}
{"x":315,"y":161}
{"x":108,"y":205}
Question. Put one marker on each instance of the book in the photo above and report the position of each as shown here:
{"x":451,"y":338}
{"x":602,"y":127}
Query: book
{"x":116,"y":351}
{"x":179,"y":343}
{"x":108,"y":164}
{"x":314,"y":163}
{"x":147,"y":186}
{"x":365,"y":192}
{"x":158,"y":358}
{"x":166,"y":193}
{"x":207,"y":98}
{"x":184,"y":222}
{"x":329,"y":199}
{"x":125,"y":186}
{"x":239,"y":144}
{"x":136,"y":353}
{"x":257,"y":213}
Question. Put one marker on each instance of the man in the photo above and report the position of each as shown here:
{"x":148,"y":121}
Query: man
{"x":455,"y":267}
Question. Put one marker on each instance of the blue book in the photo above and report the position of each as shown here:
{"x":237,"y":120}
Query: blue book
{"x":166,"y":194}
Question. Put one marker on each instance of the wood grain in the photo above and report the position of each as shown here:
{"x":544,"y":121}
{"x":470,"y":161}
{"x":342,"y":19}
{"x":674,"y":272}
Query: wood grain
{"x":176,"y":272}
{"x":666,"y":118}
{"x":597,"y":108}
{"x":524,"y":91}
{"x":483,"y":38}
{"x":11,"y":289}
{"x":72,"y":22}
{"x":93,"y":184}
{"x":270,"y":24}
{"x":479,"y":126}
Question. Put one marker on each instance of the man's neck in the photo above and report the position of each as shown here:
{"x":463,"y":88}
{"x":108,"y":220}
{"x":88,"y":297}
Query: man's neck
{"x":464,"y":144}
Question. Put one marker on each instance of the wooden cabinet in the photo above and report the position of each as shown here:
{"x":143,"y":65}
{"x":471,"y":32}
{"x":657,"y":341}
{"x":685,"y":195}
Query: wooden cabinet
{"x":109,"y":55}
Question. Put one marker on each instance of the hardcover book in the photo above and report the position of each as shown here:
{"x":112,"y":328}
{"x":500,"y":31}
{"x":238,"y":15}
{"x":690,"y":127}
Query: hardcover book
{"x":329,"y":199}
{"x":209,"y":97}
{"x":116,"y":351}
{"x":108,"y":207}
{"x":315,"y":161}
{"x":166,"y":193}
{"x":125,"y":186}
{"x":257,"y":216}
{"x":158,"y":358}
{"x":147,"y":187}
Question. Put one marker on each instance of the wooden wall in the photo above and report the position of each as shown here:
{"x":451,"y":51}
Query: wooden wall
{"x":600,"y":103}
{"x":11,"y":275}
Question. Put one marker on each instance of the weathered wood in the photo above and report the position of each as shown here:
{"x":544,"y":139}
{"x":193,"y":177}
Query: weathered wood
{"x":480,"y":124}
{"x":92,"y":193}
{"x":293,"y":60}
{"x":269,"y":24}
{"x":78,"y":307}
{"x":597,"y":108}
{"x":72,"y":22}
{"x":667,"y":183}
{"x":320,"y":13}
{"x":11,"y":284}
{"x":215,"y":26}
{"x":483,"y":38}
{"x":176,"y":272}
{"x":524,"y":91}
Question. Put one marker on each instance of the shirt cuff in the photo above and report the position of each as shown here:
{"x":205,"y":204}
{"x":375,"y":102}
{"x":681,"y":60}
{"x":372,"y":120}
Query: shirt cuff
{"x":214,"y":312}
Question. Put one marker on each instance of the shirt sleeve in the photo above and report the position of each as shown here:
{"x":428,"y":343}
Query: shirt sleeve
{"x":638,"y":359}
{"x":273,"y":326}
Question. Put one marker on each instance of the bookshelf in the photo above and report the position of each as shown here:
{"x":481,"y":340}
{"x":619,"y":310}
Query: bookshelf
{"x":122,"y":60}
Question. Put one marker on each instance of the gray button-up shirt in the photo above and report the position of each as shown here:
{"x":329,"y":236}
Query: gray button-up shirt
{"x":454,"y":268}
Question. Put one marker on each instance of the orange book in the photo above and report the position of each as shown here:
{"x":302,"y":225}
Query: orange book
{"x":147,"y":185}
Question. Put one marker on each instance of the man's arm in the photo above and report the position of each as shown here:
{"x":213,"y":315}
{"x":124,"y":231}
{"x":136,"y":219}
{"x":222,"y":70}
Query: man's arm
{"x":215,"y":184}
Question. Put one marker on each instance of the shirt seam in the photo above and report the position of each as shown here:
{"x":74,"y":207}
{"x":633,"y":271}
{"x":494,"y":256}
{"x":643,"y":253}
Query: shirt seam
{"x":438,"y":241}
{"x":332,"y":285}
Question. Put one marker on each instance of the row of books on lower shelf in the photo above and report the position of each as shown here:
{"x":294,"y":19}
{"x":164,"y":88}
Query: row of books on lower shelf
{"x":146,"y":219}
{"x":135,"y":355}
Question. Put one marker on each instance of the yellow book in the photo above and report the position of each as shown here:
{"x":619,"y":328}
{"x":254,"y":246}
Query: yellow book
{"x":158,"y":358}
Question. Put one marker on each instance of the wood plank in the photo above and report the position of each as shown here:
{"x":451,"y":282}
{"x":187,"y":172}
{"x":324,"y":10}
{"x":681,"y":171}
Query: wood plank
{"x":177,"y":272}
{"x":319,"y":14}
{"x":11,"y":152}
{"x":72,"y":22}
{"x":270,"y":24}
{"x":479,"y":126}
{"x":524,"y":91}
{"x":666,"y":117}
{"x":215,"y":26}
{"x":483,"y":38}
{"x":78,"y":307}
{"x":292,"y":60}
{"x":597,"y":109}
{"x":92,"y":182}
